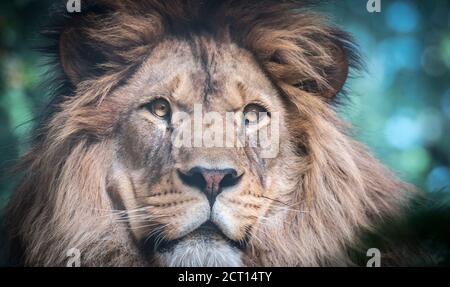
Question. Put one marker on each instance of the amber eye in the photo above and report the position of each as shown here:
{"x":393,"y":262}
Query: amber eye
{"x":254,"y":113}
{"x":160,"y":108}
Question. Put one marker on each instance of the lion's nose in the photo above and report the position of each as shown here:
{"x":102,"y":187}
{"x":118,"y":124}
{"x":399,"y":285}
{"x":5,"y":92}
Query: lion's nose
{"x":210,"y":181}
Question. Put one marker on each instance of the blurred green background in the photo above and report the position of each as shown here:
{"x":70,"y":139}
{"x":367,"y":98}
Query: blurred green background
{"x":400,"y":107}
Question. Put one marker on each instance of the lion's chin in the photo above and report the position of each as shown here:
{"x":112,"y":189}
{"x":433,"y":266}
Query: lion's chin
{"x":204,"y":247}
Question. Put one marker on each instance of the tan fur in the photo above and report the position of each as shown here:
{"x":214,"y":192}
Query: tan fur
{"x":323,"y":189}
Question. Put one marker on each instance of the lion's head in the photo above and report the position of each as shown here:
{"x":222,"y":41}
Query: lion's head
{"x":108,"y":175}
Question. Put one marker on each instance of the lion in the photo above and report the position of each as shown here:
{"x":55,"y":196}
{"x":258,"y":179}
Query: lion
{"x":105,"y":177}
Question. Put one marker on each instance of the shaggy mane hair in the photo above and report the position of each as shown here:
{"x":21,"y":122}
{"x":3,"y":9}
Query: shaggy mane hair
{"x":62,"y":199}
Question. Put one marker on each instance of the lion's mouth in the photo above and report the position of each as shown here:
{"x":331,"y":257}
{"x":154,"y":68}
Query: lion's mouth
{"x":207,"y":231}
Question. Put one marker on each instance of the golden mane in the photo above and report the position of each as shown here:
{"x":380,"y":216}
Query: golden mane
{"x":337,"y":188}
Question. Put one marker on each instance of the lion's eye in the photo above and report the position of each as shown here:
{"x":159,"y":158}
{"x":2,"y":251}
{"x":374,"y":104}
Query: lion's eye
{"x":160,"y":108}
{"x":254,"y":114}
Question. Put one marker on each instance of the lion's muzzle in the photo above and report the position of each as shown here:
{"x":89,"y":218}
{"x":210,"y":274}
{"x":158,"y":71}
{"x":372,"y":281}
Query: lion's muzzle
{"x":210,"y":181}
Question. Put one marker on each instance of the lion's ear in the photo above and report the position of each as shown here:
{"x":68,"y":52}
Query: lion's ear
{"x":301,"y":51}
{"x":77,"y":59}
{"x":325,"y":70}
{"x":105,"y":37}
{"x":79,"y":49}
{"x":336,"y":75}
{"x":78,"y":55}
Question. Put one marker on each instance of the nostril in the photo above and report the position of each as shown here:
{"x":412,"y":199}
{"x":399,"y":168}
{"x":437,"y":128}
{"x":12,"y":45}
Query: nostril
{"x":231,"y":178}
{"x":193,"y":178}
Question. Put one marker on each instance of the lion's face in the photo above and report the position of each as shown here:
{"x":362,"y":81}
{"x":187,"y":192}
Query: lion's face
{"x":198,"y":133}
{"x":186,"y":198}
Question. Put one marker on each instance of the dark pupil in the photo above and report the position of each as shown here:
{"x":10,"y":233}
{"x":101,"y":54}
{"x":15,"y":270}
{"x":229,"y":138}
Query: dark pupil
{"x":160,"y":108}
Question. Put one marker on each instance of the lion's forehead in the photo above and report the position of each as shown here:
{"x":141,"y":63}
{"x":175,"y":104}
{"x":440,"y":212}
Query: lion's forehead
{"x":201,"y":71}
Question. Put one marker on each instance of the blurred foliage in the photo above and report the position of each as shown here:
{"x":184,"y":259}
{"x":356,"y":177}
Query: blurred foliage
{"x":20,"y":74}
{"x":400,"y":107}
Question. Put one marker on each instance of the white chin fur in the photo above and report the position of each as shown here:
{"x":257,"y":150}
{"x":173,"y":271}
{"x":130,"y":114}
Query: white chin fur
{"x":201,"y":252}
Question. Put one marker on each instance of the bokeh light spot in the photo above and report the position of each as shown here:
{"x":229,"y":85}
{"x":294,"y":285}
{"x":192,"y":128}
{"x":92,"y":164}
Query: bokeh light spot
{"x":395,"y":54}
{"x":402,"y":132}
{"x":446,"y":103}
{"x":415,"y":161}
{"x":402,"y":17}
{"x":446,"y":50}
{"x":439,"y":179}
{"x":430,"y":121}
{"x":432,"y":62}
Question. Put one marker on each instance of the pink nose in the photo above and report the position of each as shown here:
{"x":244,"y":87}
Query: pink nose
{"x":210,"y":181}
{"x":213,"y":178}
